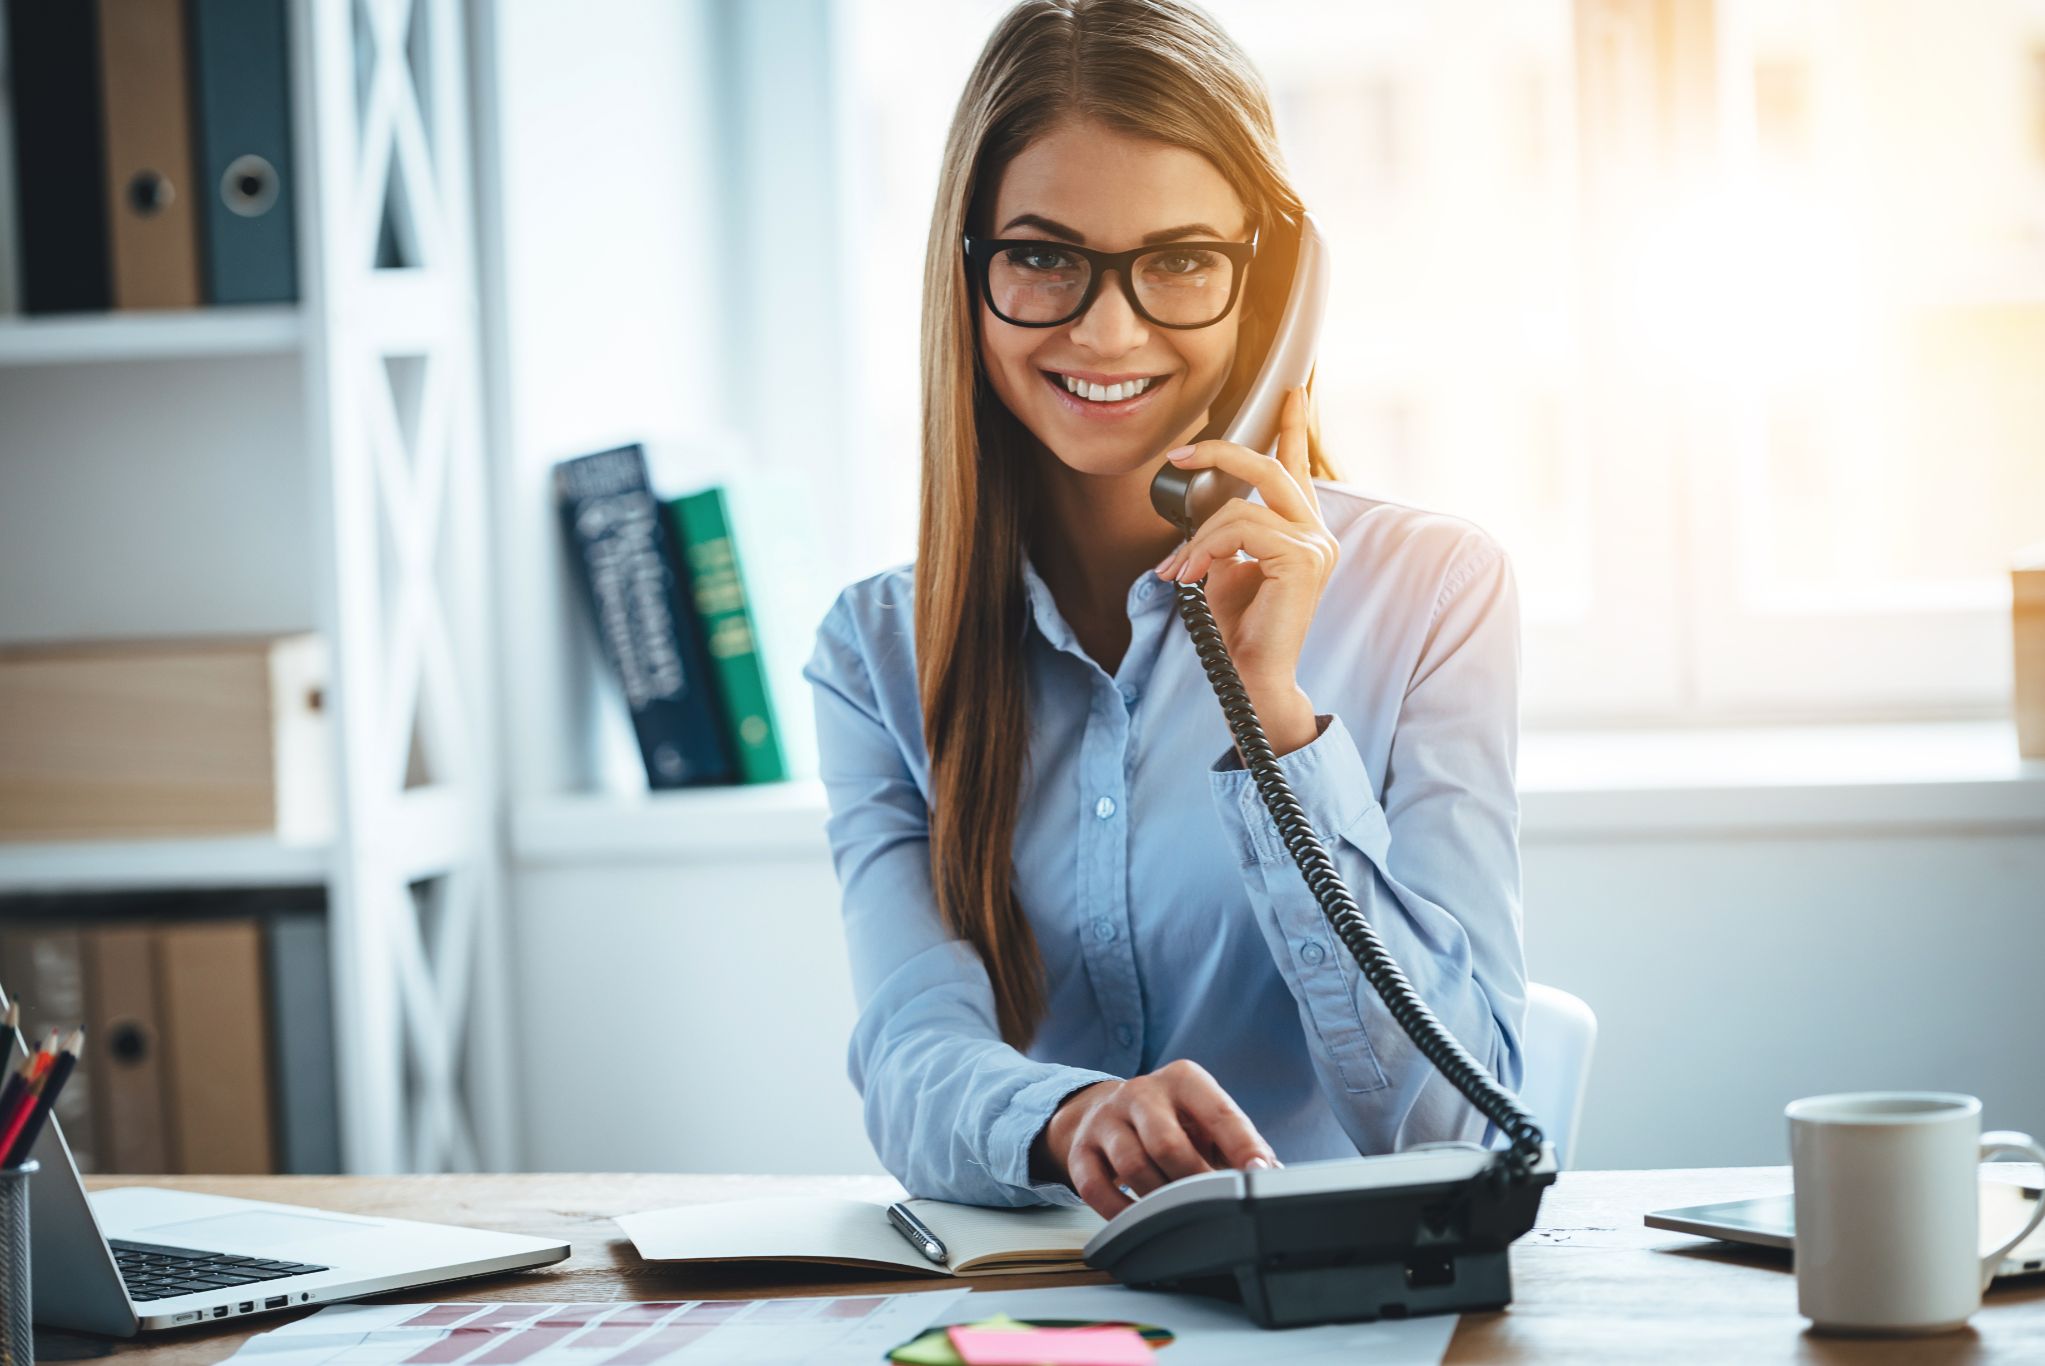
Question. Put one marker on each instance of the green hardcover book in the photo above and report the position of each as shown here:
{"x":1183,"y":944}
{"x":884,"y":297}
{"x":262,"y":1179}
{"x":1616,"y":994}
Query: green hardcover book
{"x":703,"y":524}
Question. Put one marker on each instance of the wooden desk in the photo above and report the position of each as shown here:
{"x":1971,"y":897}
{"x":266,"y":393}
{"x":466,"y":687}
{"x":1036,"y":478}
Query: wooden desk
{"x":1591,"y":1283}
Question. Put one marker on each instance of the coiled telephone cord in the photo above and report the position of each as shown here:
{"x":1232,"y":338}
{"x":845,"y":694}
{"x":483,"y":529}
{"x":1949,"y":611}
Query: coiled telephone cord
{"x":1434,"y":1041}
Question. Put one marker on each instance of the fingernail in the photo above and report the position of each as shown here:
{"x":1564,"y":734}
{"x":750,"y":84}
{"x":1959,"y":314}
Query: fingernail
{"x":1186,"y":574}
{"x":1178,"y":453}
{"x":1257,"y":1163}
{"x":1165,"y":563}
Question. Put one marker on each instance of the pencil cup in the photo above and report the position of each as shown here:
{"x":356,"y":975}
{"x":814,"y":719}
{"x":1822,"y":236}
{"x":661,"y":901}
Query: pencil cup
{"x":17,"y":1306}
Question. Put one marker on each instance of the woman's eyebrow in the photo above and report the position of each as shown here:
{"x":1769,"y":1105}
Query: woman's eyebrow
{"x":1077,"y":238}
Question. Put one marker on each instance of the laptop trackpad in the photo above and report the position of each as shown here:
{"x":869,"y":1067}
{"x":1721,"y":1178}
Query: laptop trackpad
{"x":253,"y":1229}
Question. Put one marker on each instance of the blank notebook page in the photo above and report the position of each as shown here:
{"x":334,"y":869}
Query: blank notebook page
{"x":782,"y":1228}
{"x":1050,"y":1233}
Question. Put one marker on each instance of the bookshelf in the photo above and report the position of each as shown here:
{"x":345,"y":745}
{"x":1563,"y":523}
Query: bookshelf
{"x":315,"y":465}
{"x":143,"y":865}
{"x":61,"y":339}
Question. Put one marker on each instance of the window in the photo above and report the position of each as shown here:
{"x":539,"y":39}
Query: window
{"x":1727,"y":319}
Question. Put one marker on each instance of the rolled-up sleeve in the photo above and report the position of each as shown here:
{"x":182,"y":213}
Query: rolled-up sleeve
{"x":1434,"y":865}
{"x":951,"y":1109}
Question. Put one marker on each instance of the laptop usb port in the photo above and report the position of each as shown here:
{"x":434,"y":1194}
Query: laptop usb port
{"x":276,"y":1301}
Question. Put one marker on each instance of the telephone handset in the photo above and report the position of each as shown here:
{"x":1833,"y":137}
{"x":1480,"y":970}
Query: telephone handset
{"x":1417,"y":1232}
{"x":1186,"y":498}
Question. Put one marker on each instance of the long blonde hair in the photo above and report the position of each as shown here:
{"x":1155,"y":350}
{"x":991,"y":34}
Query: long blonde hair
{"x":1150,"y":68}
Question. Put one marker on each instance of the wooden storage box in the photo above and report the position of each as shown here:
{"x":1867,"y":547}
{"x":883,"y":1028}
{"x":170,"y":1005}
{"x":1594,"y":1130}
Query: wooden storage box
{"x":2027,"y":620}
{"x":141,"y":739}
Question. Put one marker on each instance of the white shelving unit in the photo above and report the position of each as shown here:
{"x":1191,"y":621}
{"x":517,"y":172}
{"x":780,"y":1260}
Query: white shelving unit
{"x":273,"y":468}
{"x":64,"y":340}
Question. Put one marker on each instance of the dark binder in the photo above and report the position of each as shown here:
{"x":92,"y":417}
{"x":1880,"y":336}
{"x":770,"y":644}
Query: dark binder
{"x":241,"y":96}
{"x":145,"y":89}
{"x":307,"y":1089}
{"x":623,"y":552}
{"x":59,"y":156}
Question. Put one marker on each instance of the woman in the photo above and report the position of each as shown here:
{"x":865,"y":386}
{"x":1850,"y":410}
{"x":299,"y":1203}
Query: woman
{"x":1084,"y":964}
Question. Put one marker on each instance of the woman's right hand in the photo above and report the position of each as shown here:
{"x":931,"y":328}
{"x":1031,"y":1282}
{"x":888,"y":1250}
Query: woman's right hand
{"x":1144,"y":1132}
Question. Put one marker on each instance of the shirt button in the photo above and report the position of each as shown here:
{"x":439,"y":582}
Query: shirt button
{"x":1104,"y":929}
{"x":1311,"y":952}
{"x":1147,"y":589}
{"x":1124,"y":1035}
{"x":1128,"y":695}
{"x":1105,"y":807}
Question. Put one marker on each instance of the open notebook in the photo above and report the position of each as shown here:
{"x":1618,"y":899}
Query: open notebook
{"x":981,"y":1242}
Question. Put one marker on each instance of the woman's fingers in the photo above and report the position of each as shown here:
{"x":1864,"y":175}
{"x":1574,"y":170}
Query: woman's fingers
{"x":1225,"y":1126}
{"x":1269,"y":477}
{"x":1213,"y":1117}
{"x":1165,"y":1138}
{"x":1130,"y":1158}
{"x":1153,"y":1130}
{"x":1260,"y":533}
{"x":1094,"y":1181}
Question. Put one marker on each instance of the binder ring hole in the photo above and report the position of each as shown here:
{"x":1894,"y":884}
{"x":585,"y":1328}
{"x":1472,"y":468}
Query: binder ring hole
{"x":150,"y":193}
{"x":248,"y":186}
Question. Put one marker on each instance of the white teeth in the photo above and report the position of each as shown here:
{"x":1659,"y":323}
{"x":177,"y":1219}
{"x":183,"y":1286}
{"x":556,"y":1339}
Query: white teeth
{"x":1105,"y":393}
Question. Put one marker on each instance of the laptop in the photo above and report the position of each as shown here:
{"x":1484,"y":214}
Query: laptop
{"x":138,"y":1258}
{"x":1770,"y":1221}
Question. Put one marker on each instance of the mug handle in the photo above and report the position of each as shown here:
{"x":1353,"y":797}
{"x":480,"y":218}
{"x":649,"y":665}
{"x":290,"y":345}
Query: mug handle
{"x":1993,"y":1143}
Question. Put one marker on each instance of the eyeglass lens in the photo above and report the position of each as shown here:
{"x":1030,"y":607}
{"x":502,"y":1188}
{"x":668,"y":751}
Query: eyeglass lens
{"x":1176,"y":285}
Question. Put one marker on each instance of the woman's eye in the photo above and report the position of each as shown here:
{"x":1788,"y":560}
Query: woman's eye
{"x":1038,"y":259}
{"x":1183,"y":262}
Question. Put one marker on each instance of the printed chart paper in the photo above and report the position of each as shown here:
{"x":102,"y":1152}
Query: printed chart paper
{"x":785,"y":1332}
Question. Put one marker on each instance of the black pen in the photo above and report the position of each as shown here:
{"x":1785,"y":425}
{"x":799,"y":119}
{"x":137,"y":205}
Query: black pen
{"x":916,"y":1231}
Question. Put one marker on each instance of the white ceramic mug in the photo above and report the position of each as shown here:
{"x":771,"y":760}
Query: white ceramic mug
{"x":1888,"y":1218}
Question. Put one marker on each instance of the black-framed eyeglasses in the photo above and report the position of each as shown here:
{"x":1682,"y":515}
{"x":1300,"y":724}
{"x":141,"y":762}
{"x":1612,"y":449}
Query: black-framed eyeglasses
{"x":1034,"y":282}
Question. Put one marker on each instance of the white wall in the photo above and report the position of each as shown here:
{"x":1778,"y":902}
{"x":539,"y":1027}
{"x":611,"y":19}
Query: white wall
{"x":177,"y":507}
{"x":1729,"y":975}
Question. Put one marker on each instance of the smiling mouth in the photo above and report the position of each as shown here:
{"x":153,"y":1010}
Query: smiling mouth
{"x":1103,"y":397}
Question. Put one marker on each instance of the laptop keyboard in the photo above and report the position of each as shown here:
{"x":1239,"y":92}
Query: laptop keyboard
{"x":157,"y":1273}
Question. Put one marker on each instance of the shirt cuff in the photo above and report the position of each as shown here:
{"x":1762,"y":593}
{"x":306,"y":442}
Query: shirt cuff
{"x":1327,"y":775}
{"x":1015,"y":1132}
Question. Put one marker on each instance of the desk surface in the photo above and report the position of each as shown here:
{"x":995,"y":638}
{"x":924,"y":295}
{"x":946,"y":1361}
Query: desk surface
{"x":1590,"y":1283}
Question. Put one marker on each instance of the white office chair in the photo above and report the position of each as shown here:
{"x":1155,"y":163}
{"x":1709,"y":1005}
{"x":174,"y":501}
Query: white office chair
{"x":1560,"y":1036}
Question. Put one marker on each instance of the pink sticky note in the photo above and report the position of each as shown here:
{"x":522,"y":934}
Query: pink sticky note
{"x":1052,"y":1347}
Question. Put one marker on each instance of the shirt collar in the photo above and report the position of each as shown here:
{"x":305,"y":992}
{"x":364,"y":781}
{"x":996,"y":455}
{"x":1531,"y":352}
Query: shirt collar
{"x":1147,"y":594}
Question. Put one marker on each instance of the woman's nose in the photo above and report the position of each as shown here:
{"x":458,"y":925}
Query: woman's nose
{"x":1110,"y":327}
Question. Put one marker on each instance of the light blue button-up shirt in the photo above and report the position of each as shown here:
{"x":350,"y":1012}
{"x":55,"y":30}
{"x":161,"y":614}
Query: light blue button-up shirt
{"x":1171,"y":921}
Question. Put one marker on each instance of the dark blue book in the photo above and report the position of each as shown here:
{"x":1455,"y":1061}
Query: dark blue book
{"x":623,"y":552}
{"x":241,"y":95}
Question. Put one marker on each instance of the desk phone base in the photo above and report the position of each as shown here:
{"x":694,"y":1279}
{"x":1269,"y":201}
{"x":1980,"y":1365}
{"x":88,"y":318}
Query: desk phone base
{"x":1354,"y":1239}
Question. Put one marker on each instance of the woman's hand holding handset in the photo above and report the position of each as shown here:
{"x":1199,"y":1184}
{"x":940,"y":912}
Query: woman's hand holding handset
{"x":1263,"y":604}
{"x":1145,"y":1132}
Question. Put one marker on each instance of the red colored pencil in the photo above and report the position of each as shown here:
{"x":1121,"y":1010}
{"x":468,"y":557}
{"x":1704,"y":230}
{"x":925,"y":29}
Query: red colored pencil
{"x":13,"y":1121}
{"x":21,"y":1138}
